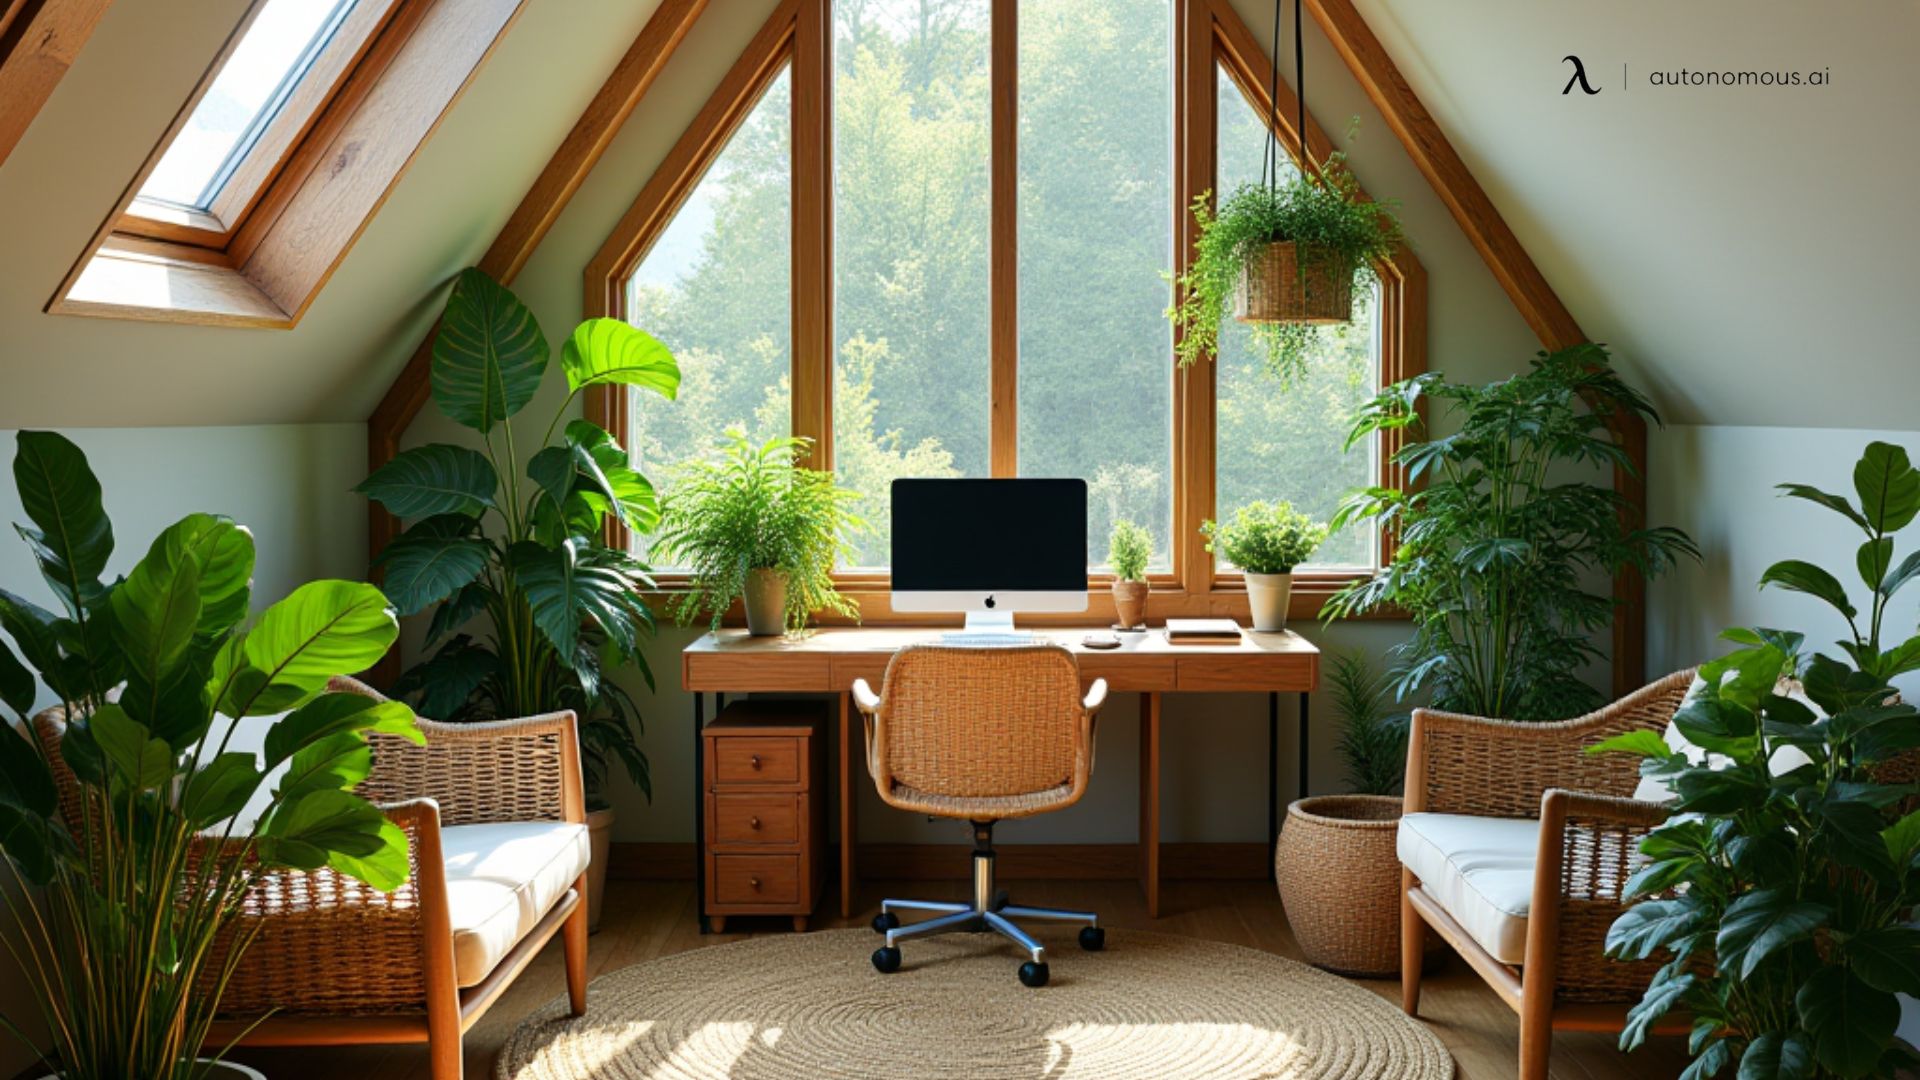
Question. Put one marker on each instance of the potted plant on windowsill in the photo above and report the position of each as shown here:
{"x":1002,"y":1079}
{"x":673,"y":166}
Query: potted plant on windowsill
{"x":752,"y":524}
{"x":1129,"y":550}
{"x":134,"y":844}
{"x":1287,"y":257}
{"x":1266,"y":542}
{"x":526,"y":546}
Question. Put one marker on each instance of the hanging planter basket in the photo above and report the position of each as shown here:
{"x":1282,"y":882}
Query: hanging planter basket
{"x":1275,"y":288}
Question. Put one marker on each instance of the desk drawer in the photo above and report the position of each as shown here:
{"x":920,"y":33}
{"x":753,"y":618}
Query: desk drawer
{"x":756,"y":760}
{"x":756,"y":879}
{"x":756,"y":819}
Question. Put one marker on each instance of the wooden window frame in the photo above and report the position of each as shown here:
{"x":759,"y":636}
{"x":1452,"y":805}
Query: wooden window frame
{"x":1208,"y":37}
{"x":296,"y":202}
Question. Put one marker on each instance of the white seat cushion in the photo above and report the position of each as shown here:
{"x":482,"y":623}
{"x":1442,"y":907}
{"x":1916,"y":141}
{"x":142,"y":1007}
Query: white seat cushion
{"x":501,"y":880}
{"x":1784,"y":759}
{"x":1479,"y":870}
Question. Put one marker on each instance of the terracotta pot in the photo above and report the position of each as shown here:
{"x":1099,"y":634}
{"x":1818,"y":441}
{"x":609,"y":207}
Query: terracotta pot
{"x":1130,"y":602}
{"x":1339,"y":879}
{"x":1274,"y":287}
{"x":766,"y":601}
{"x":1268,"y":594}
{"x":599,"y":844}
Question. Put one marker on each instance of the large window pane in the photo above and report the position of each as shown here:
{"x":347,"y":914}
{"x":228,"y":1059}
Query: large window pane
{"x":1095,"y":218}
{"x":1276,"y":443}
{"x":910,"y":218}
{"x":715,"y":289}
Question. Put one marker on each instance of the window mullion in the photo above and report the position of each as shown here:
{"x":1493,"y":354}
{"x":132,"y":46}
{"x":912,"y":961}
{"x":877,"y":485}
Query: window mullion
{"x":1003,"y":287}
{"x":812,"y":148}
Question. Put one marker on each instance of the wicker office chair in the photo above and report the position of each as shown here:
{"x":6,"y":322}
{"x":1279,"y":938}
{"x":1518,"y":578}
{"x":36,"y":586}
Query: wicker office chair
{"x":980,"y":734}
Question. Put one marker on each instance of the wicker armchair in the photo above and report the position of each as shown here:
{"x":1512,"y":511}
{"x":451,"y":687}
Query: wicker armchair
{"x":1515,"y":847}
{"x":495,"y":821}
{"x":980,"y":734}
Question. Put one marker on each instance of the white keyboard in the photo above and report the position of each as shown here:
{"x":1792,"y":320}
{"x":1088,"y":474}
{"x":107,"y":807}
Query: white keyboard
{"x":990,"y":640}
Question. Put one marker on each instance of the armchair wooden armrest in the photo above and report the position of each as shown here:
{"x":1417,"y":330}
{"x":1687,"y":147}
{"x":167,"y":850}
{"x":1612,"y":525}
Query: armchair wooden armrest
{"x":1589,"y":847}
{"x":1459,"y":764}
{"x":525,"y":769}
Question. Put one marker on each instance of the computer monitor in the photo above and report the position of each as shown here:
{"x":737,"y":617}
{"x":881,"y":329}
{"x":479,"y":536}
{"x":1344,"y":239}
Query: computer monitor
{"x":990,"y":547}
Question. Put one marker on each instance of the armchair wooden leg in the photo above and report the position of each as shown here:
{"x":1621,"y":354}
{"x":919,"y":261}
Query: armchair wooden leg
{"x":444,"y":1052}
{"x":574,"y":940}
{"x":1413,"y":941}
{"x":1536,"y":1037}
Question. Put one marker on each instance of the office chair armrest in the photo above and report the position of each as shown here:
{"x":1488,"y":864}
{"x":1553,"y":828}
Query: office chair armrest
{"x":1096,"y":696}
{"x":864,"y":697}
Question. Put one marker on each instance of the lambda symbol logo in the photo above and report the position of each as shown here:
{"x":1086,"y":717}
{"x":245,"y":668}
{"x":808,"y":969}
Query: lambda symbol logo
{"x":1579,"y":76}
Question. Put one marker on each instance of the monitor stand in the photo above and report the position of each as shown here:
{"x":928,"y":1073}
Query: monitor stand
{"x":989,"y":622}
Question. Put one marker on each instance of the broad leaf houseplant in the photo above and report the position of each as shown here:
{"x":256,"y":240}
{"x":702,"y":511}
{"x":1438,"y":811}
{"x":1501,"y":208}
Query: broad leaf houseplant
{"x":525,"y":545}
{"x":132,"y":849}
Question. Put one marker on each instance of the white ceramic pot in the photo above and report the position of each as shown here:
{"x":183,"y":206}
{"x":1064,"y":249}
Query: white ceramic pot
{"x":766,"y":602}
{"x":1268,"y":594}
{"x":599,"y":844}
{"x":222,"y":1070}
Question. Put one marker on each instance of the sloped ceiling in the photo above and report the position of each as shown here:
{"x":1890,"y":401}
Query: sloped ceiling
{"x":97,"y":128}
{"x":1749,"y":251}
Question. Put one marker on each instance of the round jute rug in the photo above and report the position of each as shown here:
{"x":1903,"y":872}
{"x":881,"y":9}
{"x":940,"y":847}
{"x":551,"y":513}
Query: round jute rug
{"x":1150,"y":1007}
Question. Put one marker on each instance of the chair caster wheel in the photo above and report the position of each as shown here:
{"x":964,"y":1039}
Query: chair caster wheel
{"x":886,"y":961}
{"x":885,"y":921}
{"x":1031,"y":974}
{"x":1093,"y":938}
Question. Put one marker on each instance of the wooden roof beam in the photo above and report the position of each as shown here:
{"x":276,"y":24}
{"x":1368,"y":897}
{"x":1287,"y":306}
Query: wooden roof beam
{"x":38,"y":42}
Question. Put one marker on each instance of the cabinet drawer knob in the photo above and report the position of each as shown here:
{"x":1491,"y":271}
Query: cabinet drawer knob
{"x":754,"y":884}
{"x":753,"y":823}
{"x":754,"y":760}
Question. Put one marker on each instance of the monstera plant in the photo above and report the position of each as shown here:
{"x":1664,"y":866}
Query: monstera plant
{"x":129,"y":870}
{"x":525,"y":546}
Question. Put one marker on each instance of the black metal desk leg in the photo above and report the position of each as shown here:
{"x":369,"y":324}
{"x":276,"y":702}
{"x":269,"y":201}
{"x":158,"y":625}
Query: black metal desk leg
{"x":700,"y":808}
{"x":1304,"y":698}
{"x":1273,"y":770}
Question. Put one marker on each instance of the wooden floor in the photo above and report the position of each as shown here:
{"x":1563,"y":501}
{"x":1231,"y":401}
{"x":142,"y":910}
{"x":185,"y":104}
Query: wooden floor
{"x":649,"y":919}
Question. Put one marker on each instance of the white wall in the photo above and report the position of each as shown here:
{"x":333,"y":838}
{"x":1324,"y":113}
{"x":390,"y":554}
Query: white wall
{"x":1719,"y":483}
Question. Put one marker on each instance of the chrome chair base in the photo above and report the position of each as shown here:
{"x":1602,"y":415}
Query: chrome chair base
{"x":989,"y":911}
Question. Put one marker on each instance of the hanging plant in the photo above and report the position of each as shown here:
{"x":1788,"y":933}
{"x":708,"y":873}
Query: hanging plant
{"x":1286,"y":253}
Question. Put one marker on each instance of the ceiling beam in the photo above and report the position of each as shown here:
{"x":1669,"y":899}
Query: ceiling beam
{"x":1513,"y":268}
{"x":38,"y":42}
{"x":569,"y":167}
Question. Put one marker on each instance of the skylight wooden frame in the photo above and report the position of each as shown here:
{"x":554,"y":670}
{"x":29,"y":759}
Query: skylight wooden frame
{"x":1209,"y":37}
{"x":328,"y":175}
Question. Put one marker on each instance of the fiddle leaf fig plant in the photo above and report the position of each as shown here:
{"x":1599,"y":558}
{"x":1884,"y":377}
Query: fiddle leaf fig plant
{"x":131,"y":850}
{"x":1783,"y":886}
{"x":523,"y":544}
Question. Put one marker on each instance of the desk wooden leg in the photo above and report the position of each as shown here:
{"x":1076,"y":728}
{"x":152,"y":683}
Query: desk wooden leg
{"x":1150,"y":801}
{"x":847,"y":781}
{"x":700,"y":807}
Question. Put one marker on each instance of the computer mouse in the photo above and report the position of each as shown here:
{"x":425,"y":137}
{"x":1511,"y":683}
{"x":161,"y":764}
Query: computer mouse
{"x":1101,"y":641}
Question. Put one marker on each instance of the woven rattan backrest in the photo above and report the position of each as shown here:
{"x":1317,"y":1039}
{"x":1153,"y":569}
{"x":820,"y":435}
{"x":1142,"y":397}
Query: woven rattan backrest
{"x":966,"y":722}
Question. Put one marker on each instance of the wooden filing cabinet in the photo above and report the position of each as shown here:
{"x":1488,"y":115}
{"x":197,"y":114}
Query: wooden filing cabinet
{"x":765,"y":810}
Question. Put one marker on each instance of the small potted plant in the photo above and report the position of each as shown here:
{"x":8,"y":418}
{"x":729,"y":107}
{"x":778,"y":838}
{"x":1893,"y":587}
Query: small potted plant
{"x":1287,"y":256}
{"x":1336,"y":867}
{"x":752,"y":524}
{"x":1129,"y":549}
{"x":1266,"y":541}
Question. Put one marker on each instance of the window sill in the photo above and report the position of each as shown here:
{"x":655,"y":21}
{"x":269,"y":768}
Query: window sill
{"x":158,"y":282}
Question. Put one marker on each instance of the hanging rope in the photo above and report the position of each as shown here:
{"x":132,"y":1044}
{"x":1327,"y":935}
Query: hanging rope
{"x":1300,"y":88}
{"x":1270,"y":155}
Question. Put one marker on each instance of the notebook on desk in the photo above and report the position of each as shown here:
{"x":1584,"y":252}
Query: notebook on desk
{"x":1203,"y":632}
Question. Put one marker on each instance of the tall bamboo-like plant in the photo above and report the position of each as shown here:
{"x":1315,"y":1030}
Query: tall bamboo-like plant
{"x":130,"y":885}
{"x":526,"y":551}
{"x":1496,"y":544}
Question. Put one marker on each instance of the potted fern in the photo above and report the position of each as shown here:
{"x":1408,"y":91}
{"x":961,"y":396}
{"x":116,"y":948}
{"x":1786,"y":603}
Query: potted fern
{"x":1286,"y":256}
{"x":754,"y":525}
{"x":1129,"y":550}
{"x":1266,"y":541}
{"x":134,"y":844}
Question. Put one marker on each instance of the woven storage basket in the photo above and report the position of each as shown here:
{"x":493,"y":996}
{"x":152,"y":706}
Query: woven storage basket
{"x":1340,"y":882}
{"x":1273,"y":289}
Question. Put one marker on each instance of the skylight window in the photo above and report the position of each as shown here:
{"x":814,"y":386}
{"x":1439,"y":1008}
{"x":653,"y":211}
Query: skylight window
{"x":246,"y":97}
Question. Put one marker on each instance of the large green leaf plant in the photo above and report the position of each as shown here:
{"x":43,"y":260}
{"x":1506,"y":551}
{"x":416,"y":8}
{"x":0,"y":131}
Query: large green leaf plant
{"x":1783,"y":889}
{"x":128,"y":887}
{"x":525,"y":550}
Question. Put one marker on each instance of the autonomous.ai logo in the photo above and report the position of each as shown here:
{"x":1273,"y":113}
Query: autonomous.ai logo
{"x":1579,"y":77}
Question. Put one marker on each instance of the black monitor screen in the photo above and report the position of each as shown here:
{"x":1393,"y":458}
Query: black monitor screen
{"x":1006,"y":535}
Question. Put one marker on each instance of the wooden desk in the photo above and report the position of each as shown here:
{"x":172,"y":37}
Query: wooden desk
{"x":829,"y":660}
